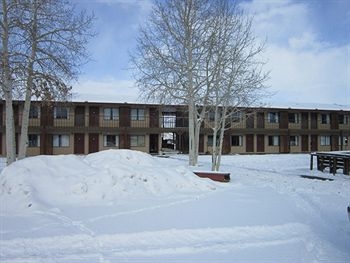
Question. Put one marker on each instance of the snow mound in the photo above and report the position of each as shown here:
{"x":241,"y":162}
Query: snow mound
{"x":101,"y":178}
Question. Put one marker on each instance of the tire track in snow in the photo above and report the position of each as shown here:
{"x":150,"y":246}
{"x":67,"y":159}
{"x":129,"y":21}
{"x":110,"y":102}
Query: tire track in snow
{"x":153,"y":243}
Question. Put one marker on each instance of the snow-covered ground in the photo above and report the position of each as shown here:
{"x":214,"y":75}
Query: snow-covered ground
{"x":126,"y":206}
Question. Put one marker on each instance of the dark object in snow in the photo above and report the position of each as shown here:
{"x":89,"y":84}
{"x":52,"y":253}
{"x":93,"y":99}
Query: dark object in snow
{"x":215,"y":176}
{"x":349,"y":211}
{"x":331,"y":160}
{"x":316,"y":177}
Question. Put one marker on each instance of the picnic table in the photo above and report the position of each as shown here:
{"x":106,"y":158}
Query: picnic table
{"x":333,"y":160}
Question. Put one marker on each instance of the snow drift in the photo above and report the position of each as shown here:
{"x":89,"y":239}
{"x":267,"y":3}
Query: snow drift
{"x":96,"y":179}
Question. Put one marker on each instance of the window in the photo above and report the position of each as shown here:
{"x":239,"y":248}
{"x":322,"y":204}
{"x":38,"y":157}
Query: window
{"x":34,"y":112}
{"x":293,"y":117}
{"x":325,"y":140}
{"x":343,"y":119}
{"x":137,"y":114}
{"x":274,"y":140}
{"x":110,"y":140}
{"x":60,"y":113}
{"x":237,"y":116}
{"x":110,"y":114}
{"x":137,"y":140}
{"x":343,"y":140}
{"x":272,"y":117}
{"x":210,"y":140}
{"x":236,"y":140}
{"x":60,"y":140}
{"x":325,"y":119}
{"x":294,"y":140}
{"x":33,"y":140}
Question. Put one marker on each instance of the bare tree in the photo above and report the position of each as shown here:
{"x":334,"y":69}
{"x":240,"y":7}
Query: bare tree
{"x":239,"y":75}
{"x":51,"y":41}
{"x":199,"y":52}
{"x":7,"y":74}
{"x":171,"y":56}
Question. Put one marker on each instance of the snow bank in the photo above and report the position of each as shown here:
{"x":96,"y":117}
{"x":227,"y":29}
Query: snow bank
{"x":97,"y":179}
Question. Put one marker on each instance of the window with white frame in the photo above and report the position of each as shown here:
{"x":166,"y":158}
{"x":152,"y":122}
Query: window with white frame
{"x":293,"y":117}
{"x":237,"y":116}
{"x":60,"y":140}
{"x":137,"y":114}
{"x":272,"y":117}
{"x":274,"y":140}
{"x":236,"y":140}
{"x":110,"y":140}
{"x":325,"y":118}
{"x":34,"y":112}
{"x":343,"y":119}
{"x":325,"y":140}
{"x":137,"y":140}
{"x":110,"y":113}
{"x":343,"y":140}
{"x":294,"y":140}
{"x":33,"y":140}
{"x":60,"y":113}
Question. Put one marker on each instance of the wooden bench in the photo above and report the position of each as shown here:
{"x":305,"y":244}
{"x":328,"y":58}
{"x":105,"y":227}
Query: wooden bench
{"x":331,"y":160}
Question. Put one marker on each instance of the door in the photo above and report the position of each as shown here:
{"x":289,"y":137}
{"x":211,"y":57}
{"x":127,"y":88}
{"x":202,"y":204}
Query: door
{"x":79,"y":116}
{"x":46,"y":144}
{"x":249,"y":142}
{"x":250,"y":121}
{"x":153,"y":118}
{"x":260,"y":143}
{"x":284,"y":144}
{"x":153,"y":143}
{"x":335,"y":143}
{"x":93,"y":142}
{"x":304,"y":143}
{"x":314,"y":143}
{"x":201,"y":144}
{"x":313,"y":120}
{"x":260,"y":120}
{"x":283,"y":120}
{"x":94,"y":113}
{"x":226,"y":144}
{"x":79,"y":143}
{"x":124,"y":120}
{"x":305,"y":120}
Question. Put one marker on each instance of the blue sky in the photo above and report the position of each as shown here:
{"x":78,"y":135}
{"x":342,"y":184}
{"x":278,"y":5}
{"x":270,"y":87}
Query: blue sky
{"x":307,"y":49}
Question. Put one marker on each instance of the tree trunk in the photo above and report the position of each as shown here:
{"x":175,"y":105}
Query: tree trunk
{"x":191,"y":134}
{"x":10,"y":130}
{"x":23,"y":144}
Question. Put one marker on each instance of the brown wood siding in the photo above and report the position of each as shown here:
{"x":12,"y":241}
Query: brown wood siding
{"x":260,"y":120}
{"x":124,"y":141}
{"x":181,"y":119}
{"x":93,"y":142}
{"x":201,"y":144}
{"x":46,"y":117}
{"x":226,"y":144}
{"x":153,"y":118}
{"x":94,"y":116}
{"x":284,"y":144}
{"x":313,"y":120}
{"x":46,"y":144}
{"x":79,"y":116}
{"x":304,"y":143}
{"x":79,"y":143}
{"x":283,"y":122}
{"x":250,"y":121}
{"x":305,"y":120}
{"x":1,"y":115}
{"x":124,"y":117}
{"x":314,"y":143}
{"x":335,"y":143}
{"x":334,"y":121}
{"x":249,"y":143}
{"x":1,"y":151}
{"x":260,"y":143}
